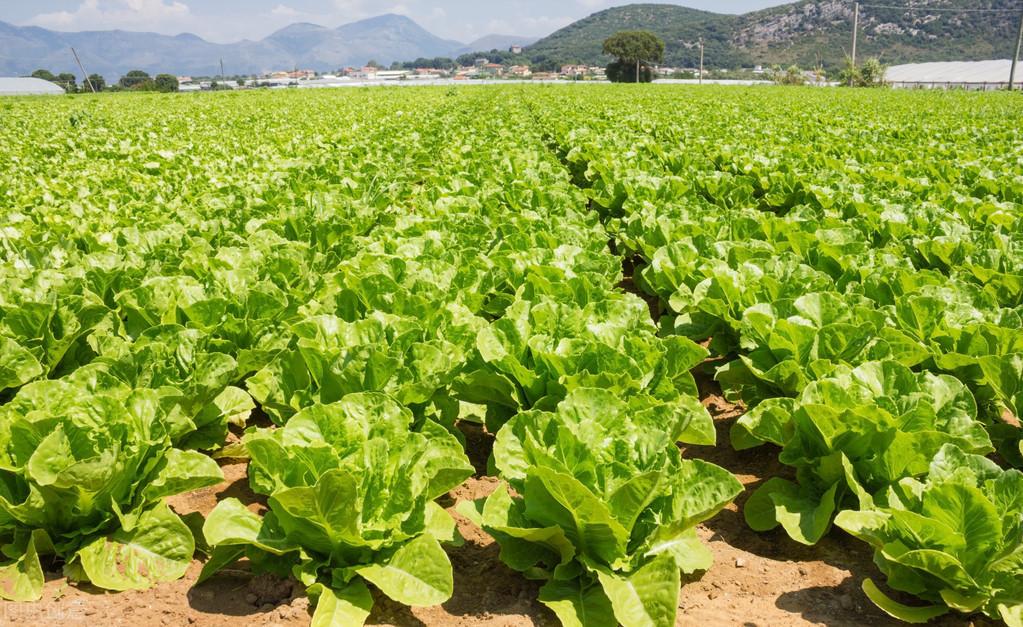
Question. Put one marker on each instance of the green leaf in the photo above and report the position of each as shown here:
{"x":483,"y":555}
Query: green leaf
{"x":523,"y":545}
{"x":632,"y":497}
{"x":689,"y":552}
{"x":905,"y":613}
{"x":232,"y":524}
{"x":23,"y":579}
{"x":220,"y":558}
{"x":347,"y":607}
{"x":805,"y":519}
{"x":760,"y":511}
{"x":937,"y":563}
{"x":647,"y":597}
{"x":418,"y":574}
{"x":556,"y":499}
{"x":183,"y":471}
{"x":160,"y":549}
{"x":578,"y":605}
{"x":17,"y":365}
{"x":441,"y":525}
{"x":769,"y":421}
{"x":968,"y":511}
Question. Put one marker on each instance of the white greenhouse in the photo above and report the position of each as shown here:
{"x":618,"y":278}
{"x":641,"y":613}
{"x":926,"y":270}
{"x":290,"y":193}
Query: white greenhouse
{"x":28,"y":87}
{"x":981,"y":75}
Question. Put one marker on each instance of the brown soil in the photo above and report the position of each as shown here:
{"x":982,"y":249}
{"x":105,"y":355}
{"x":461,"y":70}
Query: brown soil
{"x":757,"y":579}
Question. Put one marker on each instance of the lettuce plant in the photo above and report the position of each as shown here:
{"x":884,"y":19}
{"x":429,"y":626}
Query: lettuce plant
{"x":600,"y":505}
{"x":793,"y":342}
{"x":954,"y":538}
{"x":351,"y":501}
{"x":331,"y":357}
{"x":191,"y":378}
{"x":39,"y":338}
{"x":544,"y":347}
{"x":83,"y":476}
{"x":851,"y":436}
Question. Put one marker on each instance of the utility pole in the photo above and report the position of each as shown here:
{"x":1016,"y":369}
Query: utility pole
{"x":221,"y":69}
{"x":637,"y":70}
{"x":701,"y":61}
{"x":82,"y":68}
{"x":1015,"y":57}
{"x":856,"y":32}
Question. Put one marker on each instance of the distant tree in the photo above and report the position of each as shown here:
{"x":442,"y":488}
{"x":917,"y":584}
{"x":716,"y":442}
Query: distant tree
{"x":136,"y":80}
{"x":98,"y":82}
{"x":791,"y":76}
{"x":241,"y":82}
{"x":873,"y":73}
{"x":436,"y":63}
{"x":637,"y":49}
{"x":46,"y":75}
{"x":625,"y":72}
{"x":166,"y":83}
{"x":870,"y":74}
{"x":373,"y":64}
{"x":68,"y":81}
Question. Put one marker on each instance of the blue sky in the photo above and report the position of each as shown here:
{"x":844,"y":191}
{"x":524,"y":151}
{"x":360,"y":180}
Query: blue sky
{"x":231,"y":20}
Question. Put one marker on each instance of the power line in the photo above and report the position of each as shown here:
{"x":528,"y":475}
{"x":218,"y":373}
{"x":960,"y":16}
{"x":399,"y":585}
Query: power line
{"x":934,"y":9}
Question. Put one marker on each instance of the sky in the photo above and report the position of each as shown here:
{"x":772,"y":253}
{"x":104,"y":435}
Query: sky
{"x":231,"y":20}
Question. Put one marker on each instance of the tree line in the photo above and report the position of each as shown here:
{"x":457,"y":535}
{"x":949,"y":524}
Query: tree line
{"x":637,"y":51}
{"x":135,"y":80}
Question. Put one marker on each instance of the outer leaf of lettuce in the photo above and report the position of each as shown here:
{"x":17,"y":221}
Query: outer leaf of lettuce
{"x":577,"y":604}
{"x":646,"y":597}
{"x":23,"y":579}
{"x":346,"y":607}
{"x":417,"y":574}
{"x":159,"y":550}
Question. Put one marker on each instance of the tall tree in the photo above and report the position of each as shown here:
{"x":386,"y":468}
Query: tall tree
{"x":46,"y":75}
{"x":634,"y":50}
{"x":135,"y":79}
{"x":166,"y":83}
{"x":98,"y":82}
{"x":68,"y":81}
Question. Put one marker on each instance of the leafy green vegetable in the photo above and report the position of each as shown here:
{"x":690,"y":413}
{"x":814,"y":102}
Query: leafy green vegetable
{"x":954,"y":538}
{"x":351,"y":493}
{"x":83,"y":475}
{"x":603,"y":508}
{"x":545,"y":346}
{"x":852,"y":436}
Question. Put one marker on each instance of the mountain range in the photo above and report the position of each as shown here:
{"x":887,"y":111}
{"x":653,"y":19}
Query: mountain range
{"x":384,"y":39}
{"x":807,"y":32}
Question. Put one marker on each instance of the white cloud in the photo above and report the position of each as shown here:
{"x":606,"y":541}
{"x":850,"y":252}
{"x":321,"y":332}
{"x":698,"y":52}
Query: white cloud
{"x":123,"y":14}
{"x":284,"y":11}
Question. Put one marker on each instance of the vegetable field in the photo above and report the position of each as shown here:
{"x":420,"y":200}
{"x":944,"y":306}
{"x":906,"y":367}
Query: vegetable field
{"x":523,"y":355}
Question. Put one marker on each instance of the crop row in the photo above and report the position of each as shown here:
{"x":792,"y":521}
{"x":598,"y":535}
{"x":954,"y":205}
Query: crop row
{"x":858,"y":269}
{"x":344,"y":286}
{"x":325,"y":285}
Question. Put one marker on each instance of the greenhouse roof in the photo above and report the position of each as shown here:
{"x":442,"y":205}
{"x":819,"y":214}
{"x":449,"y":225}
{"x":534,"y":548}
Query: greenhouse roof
{"x":28,"y":87}
{"x":996,"y":71}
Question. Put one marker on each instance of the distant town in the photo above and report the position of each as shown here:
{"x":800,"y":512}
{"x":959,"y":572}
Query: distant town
{"x":482,"y":68}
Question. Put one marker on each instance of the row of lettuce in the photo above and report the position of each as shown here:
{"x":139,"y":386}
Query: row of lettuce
{"x":353,"y":274}
{"x":364,"y":271}
{"x":858,"y":270}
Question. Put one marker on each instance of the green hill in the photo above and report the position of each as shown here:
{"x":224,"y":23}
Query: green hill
{"x":805,"y":32}
{"x":581,"y":42}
